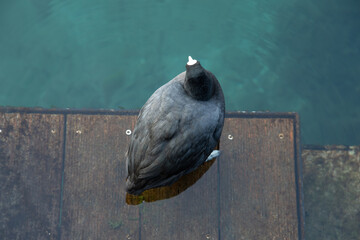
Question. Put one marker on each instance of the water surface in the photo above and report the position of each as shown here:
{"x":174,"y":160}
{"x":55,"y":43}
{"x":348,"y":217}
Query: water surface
{"x":278,"y":55}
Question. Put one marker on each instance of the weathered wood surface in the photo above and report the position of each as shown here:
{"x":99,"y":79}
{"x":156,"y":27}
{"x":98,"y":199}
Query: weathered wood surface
{"x":332,"y":192}
{"x":94,"y":200}
{"x":257,"y":188}
{"x":68,"y":181}
{"x":31,"y":153}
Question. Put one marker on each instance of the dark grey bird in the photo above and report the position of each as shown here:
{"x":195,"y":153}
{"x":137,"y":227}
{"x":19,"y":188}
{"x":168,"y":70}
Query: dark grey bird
{"x":176,"y":131}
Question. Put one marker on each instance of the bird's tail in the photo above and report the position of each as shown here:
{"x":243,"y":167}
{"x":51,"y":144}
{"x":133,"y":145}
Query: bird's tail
{"x":132,"y":188}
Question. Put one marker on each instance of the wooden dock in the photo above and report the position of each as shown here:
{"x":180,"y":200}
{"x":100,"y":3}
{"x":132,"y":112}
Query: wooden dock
{"x":332,"y":192}
{"x":62,"y":176}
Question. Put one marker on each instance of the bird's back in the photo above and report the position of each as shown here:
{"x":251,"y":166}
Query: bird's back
{"x":174,"y":134}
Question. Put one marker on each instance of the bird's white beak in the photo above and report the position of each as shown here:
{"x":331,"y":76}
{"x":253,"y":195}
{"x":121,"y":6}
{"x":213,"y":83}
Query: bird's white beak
{"x":191,"y":61}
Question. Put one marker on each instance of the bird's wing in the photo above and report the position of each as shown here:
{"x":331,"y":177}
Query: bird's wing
{"x":162,"y":145}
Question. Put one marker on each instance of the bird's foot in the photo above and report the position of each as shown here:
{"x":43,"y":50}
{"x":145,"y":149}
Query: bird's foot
{"x":213,"y":154}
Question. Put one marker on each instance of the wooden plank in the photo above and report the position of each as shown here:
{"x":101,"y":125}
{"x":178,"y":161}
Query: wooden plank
{"x":332,"y":192}
{"x":30,"y":175}
{"x":94,"y":188}
{"x":253,"y":197}
{"x":257,"y":179}
{"x":192,"y":214}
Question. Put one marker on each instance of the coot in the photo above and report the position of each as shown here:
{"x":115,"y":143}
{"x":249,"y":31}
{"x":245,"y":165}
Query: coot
{"x":176,"y":130}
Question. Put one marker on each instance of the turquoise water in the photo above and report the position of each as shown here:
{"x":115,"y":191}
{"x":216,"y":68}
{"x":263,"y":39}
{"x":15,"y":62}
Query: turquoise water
{"x":276,"y":55}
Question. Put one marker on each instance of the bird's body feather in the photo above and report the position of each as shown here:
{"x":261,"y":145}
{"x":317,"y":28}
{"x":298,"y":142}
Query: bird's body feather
{"x":174,"y":134}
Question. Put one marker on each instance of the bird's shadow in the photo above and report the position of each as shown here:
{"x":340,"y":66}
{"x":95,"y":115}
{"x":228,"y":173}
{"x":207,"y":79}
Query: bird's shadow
{"x":173,"y":190}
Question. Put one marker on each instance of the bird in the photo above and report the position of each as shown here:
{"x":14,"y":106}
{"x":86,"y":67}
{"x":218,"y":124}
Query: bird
{"x":176,"y":130}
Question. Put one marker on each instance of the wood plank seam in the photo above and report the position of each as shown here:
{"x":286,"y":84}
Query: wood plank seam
{"x":62,"y":175}
{"x":298,"y":177}
{"x":218,"y":196}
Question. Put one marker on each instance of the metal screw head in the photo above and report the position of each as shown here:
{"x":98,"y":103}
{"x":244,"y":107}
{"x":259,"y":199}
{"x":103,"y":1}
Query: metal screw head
{"x":281,"y":135}
{"x":128,"y":132}
{"x":230,"y":137}
{"x":78,"y":131}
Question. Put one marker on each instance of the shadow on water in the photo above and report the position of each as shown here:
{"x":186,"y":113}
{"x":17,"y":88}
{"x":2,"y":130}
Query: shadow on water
{"x":173,"y":190}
